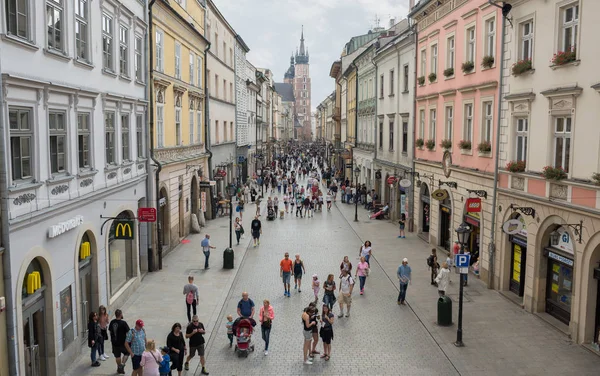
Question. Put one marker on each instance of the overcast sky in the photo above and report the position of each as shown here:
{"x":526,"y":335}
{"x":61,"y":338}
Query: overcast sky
{"x":271,"y":28}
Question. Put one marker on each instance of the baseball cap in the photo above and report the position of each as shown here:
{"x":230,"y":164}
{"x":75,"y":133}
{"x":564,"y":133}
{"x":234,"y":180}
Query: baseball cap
{"x":164,"y":349}
{"x":139,"y":323}
{"x":405,"y":260}
{"x":315,"y":276}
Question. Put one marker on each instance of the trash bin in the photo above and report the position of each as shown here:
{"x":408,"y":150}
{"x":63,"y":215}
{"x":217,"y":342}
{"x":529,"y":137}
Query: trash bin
{"x":444,"y":311}
{"x":228,"y":258}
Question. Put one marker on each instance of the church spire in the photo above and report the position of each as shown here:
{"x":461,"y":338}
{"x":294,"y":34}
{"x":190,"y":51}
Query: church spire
{"x":302,"y":52}
{"x":302,"y":42}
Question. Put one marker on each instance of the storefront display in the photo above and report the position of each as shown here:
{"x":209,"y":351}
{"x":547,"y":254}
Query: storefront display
{"x":425,"y":209}
{"x":559,"y":288}
{"x":518,"y":265}
{"x":445,"y":221}
{"x":474,"y":241}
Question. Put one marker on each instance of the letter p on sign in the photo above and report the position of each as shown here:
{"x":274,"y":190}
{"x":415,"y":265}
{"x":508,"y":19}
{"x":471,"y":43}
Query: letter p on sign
{"x":462,"y":261}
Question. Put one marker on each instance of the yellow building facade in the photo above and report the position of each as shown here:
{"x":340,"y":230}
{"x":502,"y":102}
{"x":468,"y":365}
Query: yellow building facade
{"x":178,"y":65}
{"x":351,"y":115}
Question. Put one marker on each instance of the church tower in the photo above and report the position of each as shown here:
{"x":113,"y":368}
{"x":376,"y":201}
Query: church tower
{"x":298,"y":75}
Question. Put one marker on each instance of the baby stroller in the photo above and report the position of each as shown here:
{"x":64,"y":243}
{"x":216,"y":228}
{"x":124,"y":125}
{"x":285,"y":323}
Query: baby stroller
{"x":243,"y":338}
{"x":271,"y":214}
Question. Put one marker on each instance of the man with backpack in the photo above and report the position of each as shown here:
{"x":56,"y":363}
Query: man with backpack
{"x":346,"y":287}
{"x":256,"y":228}
{"x":191,"y":297}
{"x":118,"y":331}
{"x":433,"y":265}
{"x":135,"y":343}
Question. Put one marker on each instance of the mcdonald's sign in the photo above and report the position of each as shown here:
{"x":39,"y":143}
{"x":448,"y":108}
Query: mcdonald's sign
{"x":84,"y":251}
{"x":123,"y":229}
{"x":34,"y":282}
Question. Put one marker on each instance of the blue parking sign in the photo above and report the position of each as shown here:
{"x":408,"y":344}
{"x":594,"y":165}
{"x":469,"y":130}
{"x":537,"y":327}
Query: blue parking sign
{"x":462,"y":260}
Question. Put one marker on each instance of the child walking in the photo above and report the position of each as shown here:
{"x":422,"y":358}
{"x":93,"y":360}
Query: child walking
{"x":165,"y":367}
{"x":316,"y":285}
{"x":229,"y":327}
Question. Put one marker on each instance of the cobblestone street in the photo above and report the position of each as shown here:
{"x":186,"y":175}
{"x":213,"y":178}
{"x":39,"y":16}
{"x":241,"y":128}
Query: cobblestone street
{"x":380,"y":337}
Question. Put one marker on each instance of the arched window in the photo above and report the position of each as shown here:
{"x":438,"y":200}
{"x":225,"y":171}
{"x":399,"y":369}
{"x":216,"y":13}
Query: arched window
{"x":121,"y":254}
{"x":30,"y":283}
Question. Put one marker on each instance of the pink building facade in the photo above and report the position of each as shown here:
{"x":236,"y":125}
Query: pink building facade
{"x":456,"y":119}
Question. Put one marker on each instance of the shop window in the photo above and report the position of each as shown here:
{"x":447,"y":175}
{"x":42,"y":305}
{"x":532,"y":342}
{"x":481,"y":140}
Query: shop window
{"x":121,"y":254}
{"x":33,"y":280}
{"x":66,"y":316}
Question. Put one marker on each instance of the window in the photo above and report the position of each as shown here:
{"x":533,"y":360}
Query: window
{"x":199,"y":73}
{"x":471,"y":44}
{"x":487,"y":122}
{"x":391,"y":135}
{"x":139,"y":65}
{"x":434,"y":58}
{"x":224,"y":89}
{"x":422,"y":124}
{"x":199,"y":126}
{"x":216,"y":44}
{"x":381,"y":135}
{"x":124,"y":50}
{"x":392,"y":82}
{"x":139,"y":135}
{"x":570,"y":25}
{"x":17,"y":18}
{"x":192,"y":68}
{"x":432,"y":119}
{"x":231,"y":131}
{"x":423,"y":62}
{"x":58,"y":134}
{"x":160,"y":125}
{"x":468,"y":116}
{"x":178,"y":60}
{"x":304,"y":86}
{"x":231,"y":92}
{"x":404,"y":136}
{"x":107,"y":42}
{"x":521,"y":141}
{"x":562,"y":142}
{"x":122,"y":258}
{"x":406,"y":78}
{"x":66,"y":316}
{"x":216,"y":93}
{"x":217,"y":131}
{"x":55,"y":24}
{"x":450,"y":52}
{"x":224,"y":131}
{"x":526,"y":44}
{"x":191,"y":123}
{"x":83,"y":140}
{"x":177,"y":126}
{"x":21,"y":134}
{"x":449,"y":123}
{"x":125,"y":139}
{"x":224,"y":52}
{"x":181,"y":2}
{"x":109,"y":134}
{"x":81,"y":29}
{"x":159,"y":51}
{"x":490,"y":37}
{"x":231,"y":57}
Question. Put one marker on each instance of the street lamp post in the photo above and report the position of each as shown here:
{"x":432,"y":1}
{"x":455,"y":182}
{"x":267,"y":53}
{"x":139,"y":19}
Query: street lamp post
{"x":356,"y":173}
{"x":463,"y":233}
{"x":231,"y":194}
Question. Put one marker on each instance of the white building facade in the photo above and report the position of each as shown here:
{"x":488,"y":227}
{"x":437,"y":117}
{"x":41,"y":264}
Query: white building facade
{"x":364,"y":152}
{"x":242,"y":117}
{"x":253,"y":90}
{"x":73,"y":115}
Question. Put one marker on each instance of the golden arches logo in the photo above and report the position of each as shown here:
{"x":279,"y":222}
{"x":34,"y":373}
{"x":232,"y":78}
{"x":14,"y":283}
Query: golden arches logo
{"x":123,"y":230}
{"x":85,"y":251}
{"x":34,"y":282}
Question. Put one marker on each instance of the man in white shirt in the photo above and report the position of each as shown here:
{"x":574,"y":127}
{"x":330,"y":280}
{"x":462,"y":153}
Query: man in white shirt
{"x":346,"y":287}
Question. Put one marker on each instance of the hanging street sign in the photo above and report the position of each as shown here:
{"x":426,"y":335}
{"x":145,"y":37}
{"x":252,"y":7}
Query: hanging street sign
{"x":512,"y":226}
{"x":439,"y":194}
{"x":473,"y":205}
{"x":405,"y":183}
{"x":146,"y":214}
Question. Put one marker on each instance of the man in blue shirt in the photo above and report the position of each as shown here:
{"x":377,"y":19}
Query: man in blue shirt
{"x":403,"y":273}
{"x":206,"y":247}
{"x":245,"y":307}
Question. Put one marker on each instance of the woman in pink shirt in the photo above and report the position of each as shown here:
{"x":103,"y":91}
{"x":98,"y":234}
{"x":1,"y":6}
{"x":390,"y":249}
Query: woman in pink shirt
{"x":265,"y":317}
{"x":362,"y":271}
{"x":151,"y":359}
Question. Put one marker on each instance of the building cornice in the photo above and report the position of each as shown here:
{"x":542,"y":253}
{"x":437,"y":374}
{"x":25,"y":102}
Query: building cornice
{"x":470,"y":13}
{"x":596,"y":87}
{"x":481,"y":86}
{"x":520,"y":96}
{"x":573,"y":90}
{"x":428,"y":96}
{"x":450,"y":24}
{"x":448,"y":93}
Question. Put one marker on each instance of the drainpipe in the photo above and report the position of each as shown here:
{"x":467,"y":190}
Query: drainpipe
{"x":375,"y":125}
{"x":207,"y":139}
{"x":355,"y":122}
{"x":11,"y":332}
{"x":492,"y":245}
{"x":149,"y":188}
{"x":411,"y":202}
{"x":152,"y":144}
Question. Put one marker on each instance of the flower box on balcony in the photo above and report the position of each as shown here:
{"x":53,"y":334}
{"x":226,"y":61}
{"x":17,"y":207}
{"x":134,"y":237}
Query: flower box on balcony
{"x":448,"y":72}
{"x":430,"y":144}
{"x":554,"y":173}
{"x":521,"y":67}
{"x":516,"y":166}
{"x":487,"y":62}
{"x":464,"y":145}
{"x":467,"y":66}
{"x":596,"y":178}
{"x":484,"y":147}
{"x":432,"y":77}
{"x":562,"y":57}
{"x":419,"y":143}
{"x":421,"y":80}
{"x":446,"y":144}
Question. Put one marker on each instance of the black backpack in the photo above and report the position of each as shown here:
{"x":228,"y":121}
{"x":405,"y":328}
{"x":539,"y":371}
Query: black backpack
{"x":430,"y":260}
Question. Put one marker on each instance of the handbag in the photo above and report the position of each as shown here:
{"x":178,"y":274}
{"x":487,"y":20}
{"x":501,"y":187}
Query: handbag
{"x":367,"y":271}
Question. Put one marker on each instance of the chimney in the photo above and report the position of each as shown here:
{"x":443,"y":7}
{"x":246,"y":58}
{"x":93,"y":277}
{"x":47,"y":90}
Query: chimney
{"x":392,"y":22}
{"x":411,"y":4}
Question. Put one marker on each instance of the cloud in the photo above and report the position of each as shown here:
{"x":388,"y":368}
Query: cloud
{"x":271,"y":28}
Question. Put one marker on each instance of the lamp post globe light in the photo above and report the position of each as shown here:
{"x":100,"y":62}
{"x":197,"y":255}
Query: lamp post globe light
{"x":356,"y":173}
{"x":463,"y":233}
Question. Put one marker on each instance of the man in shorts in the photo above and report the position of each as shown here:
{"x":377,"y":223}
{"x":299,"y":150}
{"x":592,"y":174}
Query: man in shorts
{"x":285,"y":272}
{"x":346,"y":287}
{"x":256,"y":228}
{"x":135,"y":342}
{"x":118,"y":331}
{"x":195,"y":333}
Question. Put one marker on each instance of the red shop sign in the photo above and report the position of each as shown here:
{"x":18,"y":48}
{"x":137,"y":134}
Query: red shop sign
{"x":473,"y":205}
{"x":147,"y":214}
{"x":391,"y":180}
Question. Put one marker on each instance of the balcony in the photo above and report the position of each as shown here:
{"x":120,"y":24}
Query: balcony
{"x":337,"y":114}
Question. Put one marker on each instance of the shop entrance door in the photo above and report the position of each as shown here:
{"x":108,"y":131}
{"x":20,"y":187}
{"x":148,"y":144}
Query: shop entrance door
{"x":517,"y":269}
{"x":34,"y":341}
{"x":445,"y":236}
{"x":596,"y":338}
{"x":85,"y":291}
